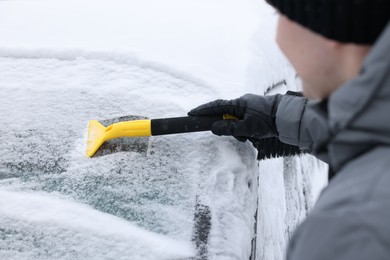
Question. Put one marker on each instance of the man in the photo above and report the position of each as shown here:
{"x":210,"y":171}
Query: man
{"x":341,"y":51}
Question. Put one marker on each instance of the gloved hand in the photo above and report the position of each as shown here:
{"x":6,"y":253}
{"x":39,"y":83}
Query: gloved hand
{"x":256,"y":116}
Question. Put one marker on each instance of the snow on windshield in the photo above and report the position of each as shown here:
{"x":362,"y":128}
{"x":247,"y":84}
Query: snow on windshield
{"x":43,"y":150}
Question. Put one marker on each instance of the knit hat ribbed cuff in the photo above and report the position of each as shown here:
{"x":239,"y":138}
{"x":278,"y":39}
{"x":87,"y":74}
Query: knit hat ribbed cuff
{"x":353,"y":21}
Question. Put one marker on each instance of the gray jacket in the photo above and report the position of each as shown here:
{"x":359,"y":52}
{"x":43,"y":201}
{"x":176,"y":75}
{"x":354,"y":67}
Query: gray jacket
{"x":351,"y":132}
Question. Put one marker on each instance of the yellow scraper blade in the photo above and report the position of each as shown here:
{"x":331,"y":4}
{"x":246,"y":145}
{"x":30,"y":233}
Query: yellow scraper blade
{"x":98,"y":134}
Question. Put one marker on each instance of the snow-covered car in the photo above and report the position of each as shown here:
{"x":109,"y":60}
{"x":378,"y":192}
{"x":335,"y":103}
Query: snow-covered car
{"x":186,"y":196}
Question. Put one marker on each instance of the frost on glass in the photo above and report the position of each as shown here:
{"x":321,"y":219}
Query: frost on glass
{"x":192,"y":192}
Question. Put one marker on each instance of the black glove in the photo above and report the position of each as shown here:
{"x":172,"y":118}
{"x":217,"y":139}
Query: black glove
{"x":255,"y":113}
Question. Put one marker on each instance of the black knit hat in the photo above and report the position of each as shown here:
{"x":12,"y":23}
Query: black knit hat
{"x":352,"y":21}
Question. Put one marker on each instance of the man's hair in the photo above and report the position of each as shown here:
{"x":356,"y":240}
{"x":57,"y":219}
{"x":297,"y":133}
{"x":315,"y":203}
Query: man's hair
{"x":348,"y":21}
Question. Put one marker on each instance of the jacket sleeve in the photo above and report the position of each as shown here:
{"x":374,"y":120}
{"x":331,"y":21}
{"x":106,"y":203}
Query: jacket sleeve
{"x":302,"y":123}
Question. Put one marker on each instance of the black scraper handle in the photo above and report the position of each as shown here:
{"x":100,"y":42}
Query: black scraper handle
{"x":186,"y":124}
{"x":267,"y":148}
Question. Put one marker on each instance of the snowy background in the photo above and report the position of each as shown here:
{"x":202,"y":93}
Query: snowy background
{"x":192,"y":196}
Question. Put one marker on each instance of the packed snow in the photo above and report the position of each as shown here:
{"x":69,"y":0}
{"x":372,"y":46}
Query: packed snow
{"x":36,"y":223}
{"x":187,"y":196}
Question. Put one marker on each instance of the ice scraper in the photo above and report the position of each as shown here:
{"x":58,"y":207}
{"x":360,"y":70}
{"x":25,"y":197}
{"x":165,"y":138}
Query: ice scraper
{"x":115,"y":129}
{"x":98,"y":133}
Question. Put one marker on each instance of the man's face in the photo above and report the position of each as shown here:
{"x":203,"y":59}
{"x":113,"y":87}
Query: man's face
{"x":315,"y":59}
